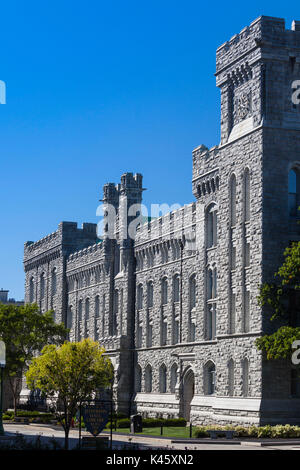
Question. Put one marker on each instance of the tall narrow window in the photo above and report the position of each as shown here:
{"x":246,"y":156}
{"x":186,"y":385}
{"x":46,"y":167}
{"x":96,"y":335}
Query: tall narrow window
{"x":54,"y":281}
{"x":211,"y":321}
{"x":173,"y":381}
{"x":148,"y":379}
{"x":294,"y":192}
{"x":140,"y":297}
{"x":80,"y":310}
{"x":87,"y":316}
{"x":164,"y":331}
{"x":211,"y":226}
{"x":162,"y":379}
{"x":138,"y":379}
{"x":113,"y":325}
{"x":232,"y":199}
{"x":231,"y":378}
{"x":42,"y":286}
{"x":211,"y":307}
{"x":164,"y":291}
{"x":79,"y":319}
{"x":245,"y":377}
{"x":210,"y":378}
{"x":103,"y":316}
{"x":176,"y":288}
{"x":192,"y":289}
{"x":246,"y":195}
{"x":149,"y":332}
{"x":97,"y":314}
{"x":31,"y":290}
{"x":97,"y":306}
{"x":209,"y":284}
{"x":150,"y":294}
{"x":69,"y":317}
{"x":232,"y":313}
{"x":247,"y":311}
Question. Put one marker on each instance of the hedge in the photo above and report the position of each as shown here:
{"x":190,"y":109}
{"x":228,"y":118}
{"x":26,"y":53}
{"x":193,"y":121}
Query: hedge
{"x":278,"y":431}
{"x":150,"y":422}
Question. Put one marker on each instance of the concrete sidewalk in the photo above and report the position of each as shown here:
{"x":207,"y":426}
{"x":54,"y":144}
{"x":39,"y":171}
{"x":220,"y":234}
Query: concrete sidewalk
{"x":153,"y":442}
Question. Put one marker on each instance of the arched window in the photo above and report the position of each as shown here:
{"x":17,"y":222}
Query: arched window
{"x":31,"y":290}
{"x":246,"y":195}
{"x":231,"y":378}
{"x":42,"y":285}
{"x":140,"y":297}
{"x":138,"y":379}
{"x":192,"y":291}
{"x":162,"y":379}
{"x":148,"y":379}
{"x":173,"y":381}
{"x":245,"y":377}
{"x":209,"y":378}
{"x":164,"y":291}
{"x":53,"y":281}
{"x":294,"y":192}
{"x":150,"y":294}
{"x":176,"y":288}
{"x":232,"y":199}
{"x":211,"y":226}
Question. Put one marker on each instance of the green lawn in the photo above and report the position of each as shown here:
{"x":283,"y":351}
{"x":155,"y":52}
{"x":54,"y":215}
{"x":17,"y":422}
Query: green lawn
{"x":168,"y":431}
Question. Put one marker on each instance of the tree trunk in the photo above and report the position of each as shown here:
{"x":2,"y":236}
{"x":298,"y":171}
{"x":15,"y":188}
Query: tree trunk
{"x":67,"y":429}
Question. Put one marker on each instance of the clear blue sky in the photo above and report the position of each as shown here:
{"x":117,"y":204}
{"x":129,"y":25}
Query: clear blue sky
{"x":97,"y":88}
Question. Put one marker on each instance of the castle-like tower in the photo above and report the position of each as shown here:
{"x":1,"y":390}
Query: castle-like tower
{"x":176,"y":307}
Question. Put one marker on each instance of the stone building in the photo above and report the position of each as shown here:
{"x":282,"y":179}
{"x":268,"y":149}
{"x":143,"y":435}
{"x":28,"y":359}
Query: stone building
{"x":176,"y":306}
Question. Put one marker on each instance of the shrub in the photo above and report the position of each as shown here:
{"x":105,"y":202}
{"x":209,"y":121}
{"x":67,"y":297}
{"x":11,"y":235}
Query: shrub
{"x":278,"y":431}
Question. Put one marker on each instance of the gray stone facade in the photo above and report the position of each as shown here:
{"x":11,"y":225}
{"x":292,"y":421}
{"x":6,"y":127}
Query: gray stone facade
{"x":176,"y":308}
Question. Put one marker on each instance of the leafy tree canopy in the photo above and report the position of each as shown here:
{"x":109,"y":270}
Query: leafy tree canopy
{"x":73,"y":373}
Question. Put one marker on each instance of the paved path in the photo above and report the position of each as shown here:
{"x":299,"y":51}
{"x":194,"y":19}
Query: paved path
{"x":47,"y":432}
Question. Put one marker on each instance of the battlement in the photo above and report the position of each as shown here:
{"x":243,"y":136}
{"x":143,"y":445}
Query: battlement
{"x":30,"y":246}
{"x":170,"y":225}
{"x":95,"y":248}
{"x":129,"y":183}
{"x":67,"y":234}
{"x":265,"y":30}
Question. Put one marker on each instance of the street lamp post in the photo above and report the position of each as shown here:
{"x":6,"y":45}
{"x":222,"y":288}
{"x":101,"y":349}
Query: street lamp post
{"x":2,"y":365}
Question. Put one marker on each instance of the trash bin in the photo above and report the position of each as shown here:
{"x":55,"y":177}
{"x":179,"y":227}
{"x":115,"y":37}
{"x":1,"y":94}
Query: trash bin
{"x":136,"y":423}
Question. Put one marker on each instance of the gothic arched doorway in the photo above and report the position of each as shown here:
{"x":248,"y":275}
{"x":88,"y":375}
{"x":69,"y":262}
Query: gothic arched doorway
{"x":188,"y":393}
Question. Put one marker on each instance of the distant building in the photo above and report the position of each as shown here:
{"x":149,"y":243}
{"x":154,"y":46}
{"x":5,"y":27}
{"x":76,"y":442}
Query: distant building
{"x":5,"y":300}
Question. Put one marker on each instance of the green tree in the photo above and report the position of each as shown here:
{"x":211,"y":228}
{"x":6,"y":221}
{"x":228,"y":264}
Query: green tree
{"x":68,"y":375}
{"x":25,"y":332}
{"x":282,"y":300}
